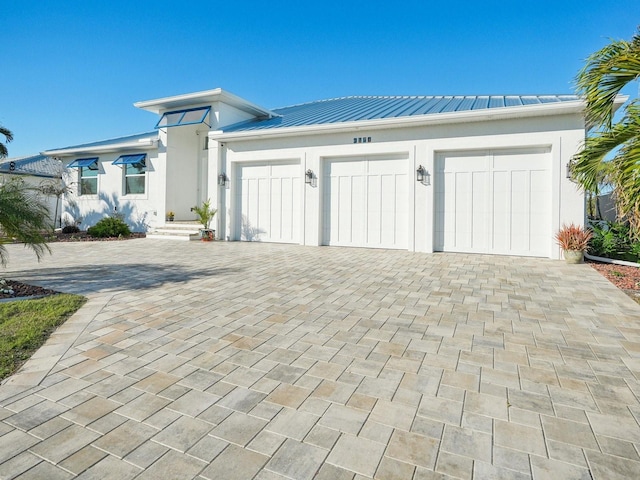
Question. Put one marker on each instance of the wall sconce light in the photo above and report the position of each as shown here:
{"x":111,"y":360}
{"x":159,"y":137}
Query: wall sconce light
{"x":308,"y":177}
{"x":223,"y":179}
{"x":423,"y":176}
{"x":569,"y":170}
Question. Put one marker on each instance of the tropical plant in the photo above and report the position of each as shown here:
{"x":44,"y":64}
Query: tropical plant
{"x":573,"y":237}
{"x":612,"y":240}
{"x":204,"y":213}
{"x":56,"y":187}
{"x":8,"y":136}
{"x":611,"y":153}
{"x":23,"y":217}
{"x":110,"y":227}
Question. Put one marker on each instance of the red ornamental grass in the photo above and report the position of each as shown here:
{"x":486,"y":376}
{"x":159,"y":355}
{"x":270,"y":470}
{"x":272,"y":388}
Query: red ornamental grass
{"x":573,"y":237}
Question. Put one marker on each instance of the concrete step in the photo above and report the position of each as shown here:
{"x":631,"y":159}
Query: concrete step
{"x":177,"y":231}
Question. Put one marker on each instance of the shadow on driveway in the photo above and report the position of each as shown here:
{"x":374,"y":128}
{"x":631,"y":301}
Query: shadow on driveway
{"x":87,"y":279}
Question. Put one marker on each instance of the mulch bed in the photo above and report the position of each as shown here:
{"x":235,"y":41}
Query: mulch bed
{"x":85,"y":237}
{"x":625,"y":278}
{"x":24,"y":290}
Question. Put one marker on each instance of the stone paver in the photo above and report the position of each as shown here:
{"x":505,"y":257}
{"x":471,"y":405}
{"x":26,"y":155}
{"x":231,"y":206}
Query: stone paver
{"x":264,"y":361}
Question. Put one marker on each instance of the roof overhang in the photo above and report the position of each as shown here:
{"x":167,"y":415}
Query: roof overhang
{"x":206,"y":97}
{"x":560,"y":108}
{"x":141,"y":144}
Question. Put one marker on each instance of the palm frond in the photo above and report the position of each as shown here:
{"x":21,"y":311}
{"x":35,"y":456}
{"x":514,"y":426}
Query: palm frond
{"x":8,"y":138}
{"x":590,"y":166}
{"x":626,"y":180}
{"x":23,"y":217}
{"x":605,"y":74}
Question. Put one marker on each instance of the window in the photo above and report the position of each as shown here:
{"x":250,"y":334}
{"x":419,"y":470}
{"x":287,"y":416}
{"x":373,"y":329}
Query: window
{"x":134,"y":179}
{"x":134,"y":173}
{"x":88,"y":172}
{"x":89,"y":180}
{"x":189,"y":116}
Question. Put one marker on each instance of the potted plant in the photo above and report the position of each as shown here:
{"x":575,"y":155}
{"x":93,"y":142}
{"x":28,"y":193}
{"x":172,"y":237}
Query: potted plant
{"x":574,"y":241}
{"x":204,"y":214}
{"x":170,"y":215}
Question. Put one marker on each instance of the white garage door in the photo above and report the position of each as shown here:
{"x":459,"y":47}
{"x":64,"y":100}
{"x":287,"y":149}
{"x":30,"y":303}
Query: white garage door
{"x":365,"y":202}
{"x":268,"y":202}
{"x":494,"y":202}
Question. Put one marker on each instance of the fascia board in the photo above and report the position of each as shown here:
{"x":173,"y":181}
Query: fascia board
{"x":29,"y":174}
{"x":165,"y":103}
{"x":576,"y":106}
{"x":68,"y":152}
{"x":161,"y":105}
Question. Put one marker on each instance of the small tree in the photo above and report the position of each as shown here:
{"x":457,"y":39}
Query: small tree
{"x":204,"y":213}
{"x":611,"y":153}
{"x":23,"y":217}
{"x":8,"y":137}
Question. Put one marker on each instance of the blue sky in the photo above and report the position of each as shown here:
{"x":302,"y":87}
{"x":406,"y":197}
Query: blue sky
{"x":71,"y":70}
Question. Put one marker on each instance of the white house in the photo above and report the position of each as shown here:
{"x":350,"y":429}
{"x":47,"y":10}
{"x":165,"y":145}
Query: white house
{"x":480,"y":174}
{"x":43,"y":174}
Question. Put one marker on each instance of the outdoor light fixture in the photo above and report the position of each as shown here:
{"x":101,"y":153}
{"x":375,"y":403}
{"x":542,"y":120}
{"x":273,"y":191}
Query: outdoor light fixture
{"x":222,"y":179}
{"x":569,"y":170}
{"x":308,"y":176}
{"x":423,"y":176}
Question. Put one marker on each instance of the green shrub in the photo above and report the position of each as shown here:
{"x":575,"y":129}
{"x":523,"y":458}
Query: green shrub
{"x":613,"y":240}
{"x":109,"y":227}
{"x":70,"y":229}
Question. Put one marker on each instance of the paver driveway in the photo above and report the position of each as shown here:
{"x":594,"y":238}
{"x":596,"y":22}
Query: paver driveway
{"x":238,"y":360}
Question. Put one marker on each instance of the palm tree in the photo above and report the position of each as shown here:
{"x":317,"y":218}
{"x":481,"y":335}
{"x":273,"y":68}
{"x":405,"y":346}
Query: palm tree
{"x":23,"y":217}
{"x":8,"y":137}
{"x":611,"y":154}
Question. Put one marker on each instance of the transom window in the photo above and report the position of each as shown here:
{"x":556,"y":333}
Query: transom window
{"x":190,"y":116}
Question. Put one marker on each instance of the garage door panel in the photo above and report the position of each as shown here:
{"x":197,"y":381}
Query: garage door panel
{"x":375,"y":202}
{"x":479,"y":233}
{"x":269,"y":202}
{"x":365,"y":202}
{"x":498,"y":203}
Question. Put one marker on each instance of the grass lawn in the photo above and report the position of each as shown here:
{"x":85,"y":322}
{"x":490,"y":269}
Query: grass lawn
{"x":26,"y":325}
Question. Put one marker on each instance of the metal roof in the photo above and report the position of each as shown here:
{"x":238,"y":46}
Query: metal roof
{"x":110,"y":142}
{"x":35,"y":165}
{"x":357,"y":108}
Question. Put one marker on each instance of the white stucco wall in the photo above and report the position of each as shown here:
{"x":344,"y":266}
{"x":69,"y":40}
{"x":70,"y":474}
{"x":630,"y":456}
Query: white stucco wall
{"x":139,"y":211}
{"x":562,"y":134}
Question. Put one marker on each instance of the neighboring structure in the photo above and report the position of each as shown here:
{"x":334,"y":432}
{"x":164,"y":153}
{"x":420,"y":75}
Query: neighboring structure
{"x":38,"y":171}
{"x":480,"y":174}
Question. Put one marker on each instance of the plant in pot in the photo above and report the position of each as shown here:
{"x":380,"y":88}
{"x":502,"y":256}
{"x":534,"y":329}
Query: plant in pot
{"x":204,"y":214}
{"x":574,"y":241}
{"x":171,"y":215}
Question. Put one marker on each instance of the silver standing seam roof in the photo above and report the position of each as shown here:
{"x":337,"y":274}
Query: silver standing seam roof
{"x":112,"y":141}
{"x":352,"y":109}
{"x":35,"y":165}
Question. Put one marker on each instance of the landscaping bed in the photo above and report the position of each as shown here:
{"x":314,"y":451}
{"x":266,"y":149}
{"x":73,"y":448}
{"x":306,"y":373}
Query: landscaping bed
{"x":625,"y":278}
{"x":85,"y":237}
{"x":24,"y":290}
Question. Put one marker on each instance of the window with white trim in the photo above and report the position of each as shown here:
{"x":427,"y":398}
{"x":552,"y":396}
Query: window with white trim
{"x":87,"y":175}
{"x":134,"y":179}
{"x":134,"y":170}
{"x":89,"y":180}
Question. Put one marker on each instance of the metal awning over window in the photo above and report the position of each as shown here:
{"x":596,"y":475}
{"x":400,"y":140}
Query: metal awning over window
{"x":178,"y":118}
{"x":138,"y":158}
{"x":91,"y":163}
